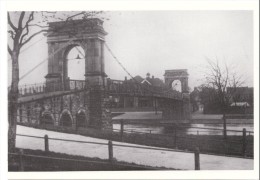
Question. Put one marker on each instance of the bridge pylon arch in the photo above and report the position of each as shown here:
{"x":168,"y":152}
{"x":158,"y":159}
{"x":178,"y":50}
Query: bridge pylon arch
{"x":90,"y":35}
{"x":181,"y":75}
{"x":177,"y":74}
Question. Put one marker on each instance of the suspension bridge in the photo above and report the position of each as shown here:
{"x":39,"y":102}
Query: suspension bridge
{"x":61,"y":101}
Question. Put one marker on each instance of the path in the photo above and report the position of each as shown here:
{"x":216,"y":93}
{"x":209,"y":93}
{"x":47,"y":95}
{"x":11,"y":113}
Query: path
{"x":159,"y":158}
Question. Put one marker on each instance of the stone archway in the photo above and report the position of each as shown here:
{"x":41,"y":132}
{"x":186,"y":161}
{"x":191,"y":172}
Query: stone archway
{"x":66,"y":119}
{"x":68,"y":64}
{"x":81,"y":118}
{"x":176,"y":85}
{"x":90,"y":35}
{"x":181,"y":75}
{"x":177,"y":74}
{"x":47,"y":118}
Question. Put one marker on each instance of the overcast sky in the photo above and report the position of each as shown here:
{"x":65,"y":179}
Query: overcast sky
{"x":155,"y":41}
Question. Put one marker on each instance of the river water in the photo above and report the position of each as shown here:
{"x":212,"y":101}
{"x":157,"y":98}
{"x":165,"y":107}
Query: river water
{"x":191,"y":129}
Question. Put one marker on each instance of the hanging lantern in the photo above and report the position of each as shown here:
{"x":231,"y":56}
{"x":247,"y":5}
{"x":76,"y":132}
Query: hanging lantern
{"x":78,"y":57}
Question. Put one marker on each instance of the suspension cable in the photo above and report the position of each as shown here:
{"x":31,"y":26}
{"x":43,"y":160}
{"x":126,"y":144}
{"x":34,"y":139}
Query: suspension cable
{"x":122,"y":66}
{"x":50,"y":33}
{"x":27,"y":73}
{"x":114,"y":57}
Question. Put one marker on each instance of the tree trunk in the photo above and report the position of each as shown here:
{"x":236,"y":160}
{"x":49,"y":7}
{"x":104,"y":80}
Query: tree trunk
{"x":13,"y":102}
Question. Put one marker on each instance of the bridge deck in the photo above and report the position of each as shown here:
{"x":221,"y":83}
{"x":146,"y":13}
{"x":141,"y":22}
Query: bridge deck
{"x":35,"y":97}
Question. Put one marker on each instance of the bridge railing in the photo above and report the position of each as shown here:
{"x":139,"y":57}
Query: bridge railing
{"x":126,"y":87}
{"x":113,"y":87}
{"x":77,"y":84}
{"x":29,"y":89}
{"x":44,"y":87}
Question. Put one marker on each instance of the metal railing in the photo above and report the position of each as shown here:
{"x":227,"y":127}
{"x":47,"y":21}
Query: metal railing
{"x":114,"y":87}
{"x":133,"y":88}
{"x":53,"y":86}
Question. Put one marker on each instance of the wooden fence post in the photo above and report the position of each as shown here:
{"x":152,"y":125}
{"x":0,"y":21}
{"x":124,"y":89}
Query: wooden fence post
{"x":46,"y":143}
{"x":197,"y":158}
{"x":224,"y":127}
{"x":175,"y":137}
{"x":21,"y":165}
{"x":244,"y":142}
{"x":121,"y":129}
{"x":110,"y":151}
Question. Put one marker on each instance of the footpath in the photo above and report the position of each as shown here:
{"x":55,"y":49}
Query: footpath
{"x":155,"y":158}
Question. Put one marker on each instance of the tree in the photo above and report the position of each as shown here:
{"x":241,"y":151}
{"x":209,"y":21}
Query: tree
{"x":22,"y":28}
{"x":224,"y":80}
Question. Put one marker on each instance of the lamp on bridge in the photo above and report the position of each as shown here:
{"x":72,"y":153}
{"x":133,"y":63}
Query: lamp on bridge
{"x":76,"y":58}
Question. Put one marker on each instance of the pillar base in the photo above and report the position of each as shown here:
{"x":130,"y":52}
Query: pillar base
{"x":53,"y":82}
{"x":99,"y":113}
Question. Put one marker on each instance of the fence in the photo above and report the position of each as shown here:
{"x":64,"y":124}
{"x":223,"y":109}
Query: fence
{"x":110,"y":146}
{"x":233,"y":145}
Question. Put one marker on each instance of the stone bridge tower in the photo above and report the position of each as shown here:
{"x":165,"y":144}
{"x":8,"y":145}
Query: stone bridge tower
{"x":177,"y":74}
{"x":90,"y":35}
{"x":181,"y":75}
{"x":63,"y":36}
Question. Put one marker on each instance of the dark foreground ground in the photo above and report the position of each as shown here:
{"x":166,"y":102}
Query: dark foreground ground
{"x":36,"y":160}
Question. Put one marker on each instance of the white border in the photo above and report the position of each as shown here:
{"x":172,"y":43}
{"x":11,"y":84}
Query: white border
{"x":65,"y":5}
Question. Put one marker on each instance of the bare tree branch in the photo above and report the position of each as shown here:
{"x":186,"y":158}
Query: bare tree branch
{"x":31,"y":17}
{"x":12,"y":34}
{"x":222,"y":81}
{"x":10,"y":22}
{"x":20,"y":23}
{"x":32,"y":36}
{"x":37,"y":25}
{"x":9,"y":50}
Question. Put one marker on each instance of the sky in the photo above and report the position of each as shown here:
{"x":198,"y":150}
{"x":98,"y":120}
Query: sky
{"x":155,"y":41}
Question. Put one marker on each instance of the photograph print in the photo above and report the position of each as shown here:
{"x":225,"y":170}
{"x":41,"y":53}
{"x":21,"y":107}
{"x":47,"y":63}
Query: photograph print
{"x":130,"y":90}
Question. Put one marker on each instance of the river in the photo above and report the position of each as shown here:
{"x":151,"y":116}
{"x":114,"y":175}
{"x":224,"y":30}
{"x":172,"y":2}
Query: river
{"x":192,"y":129}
